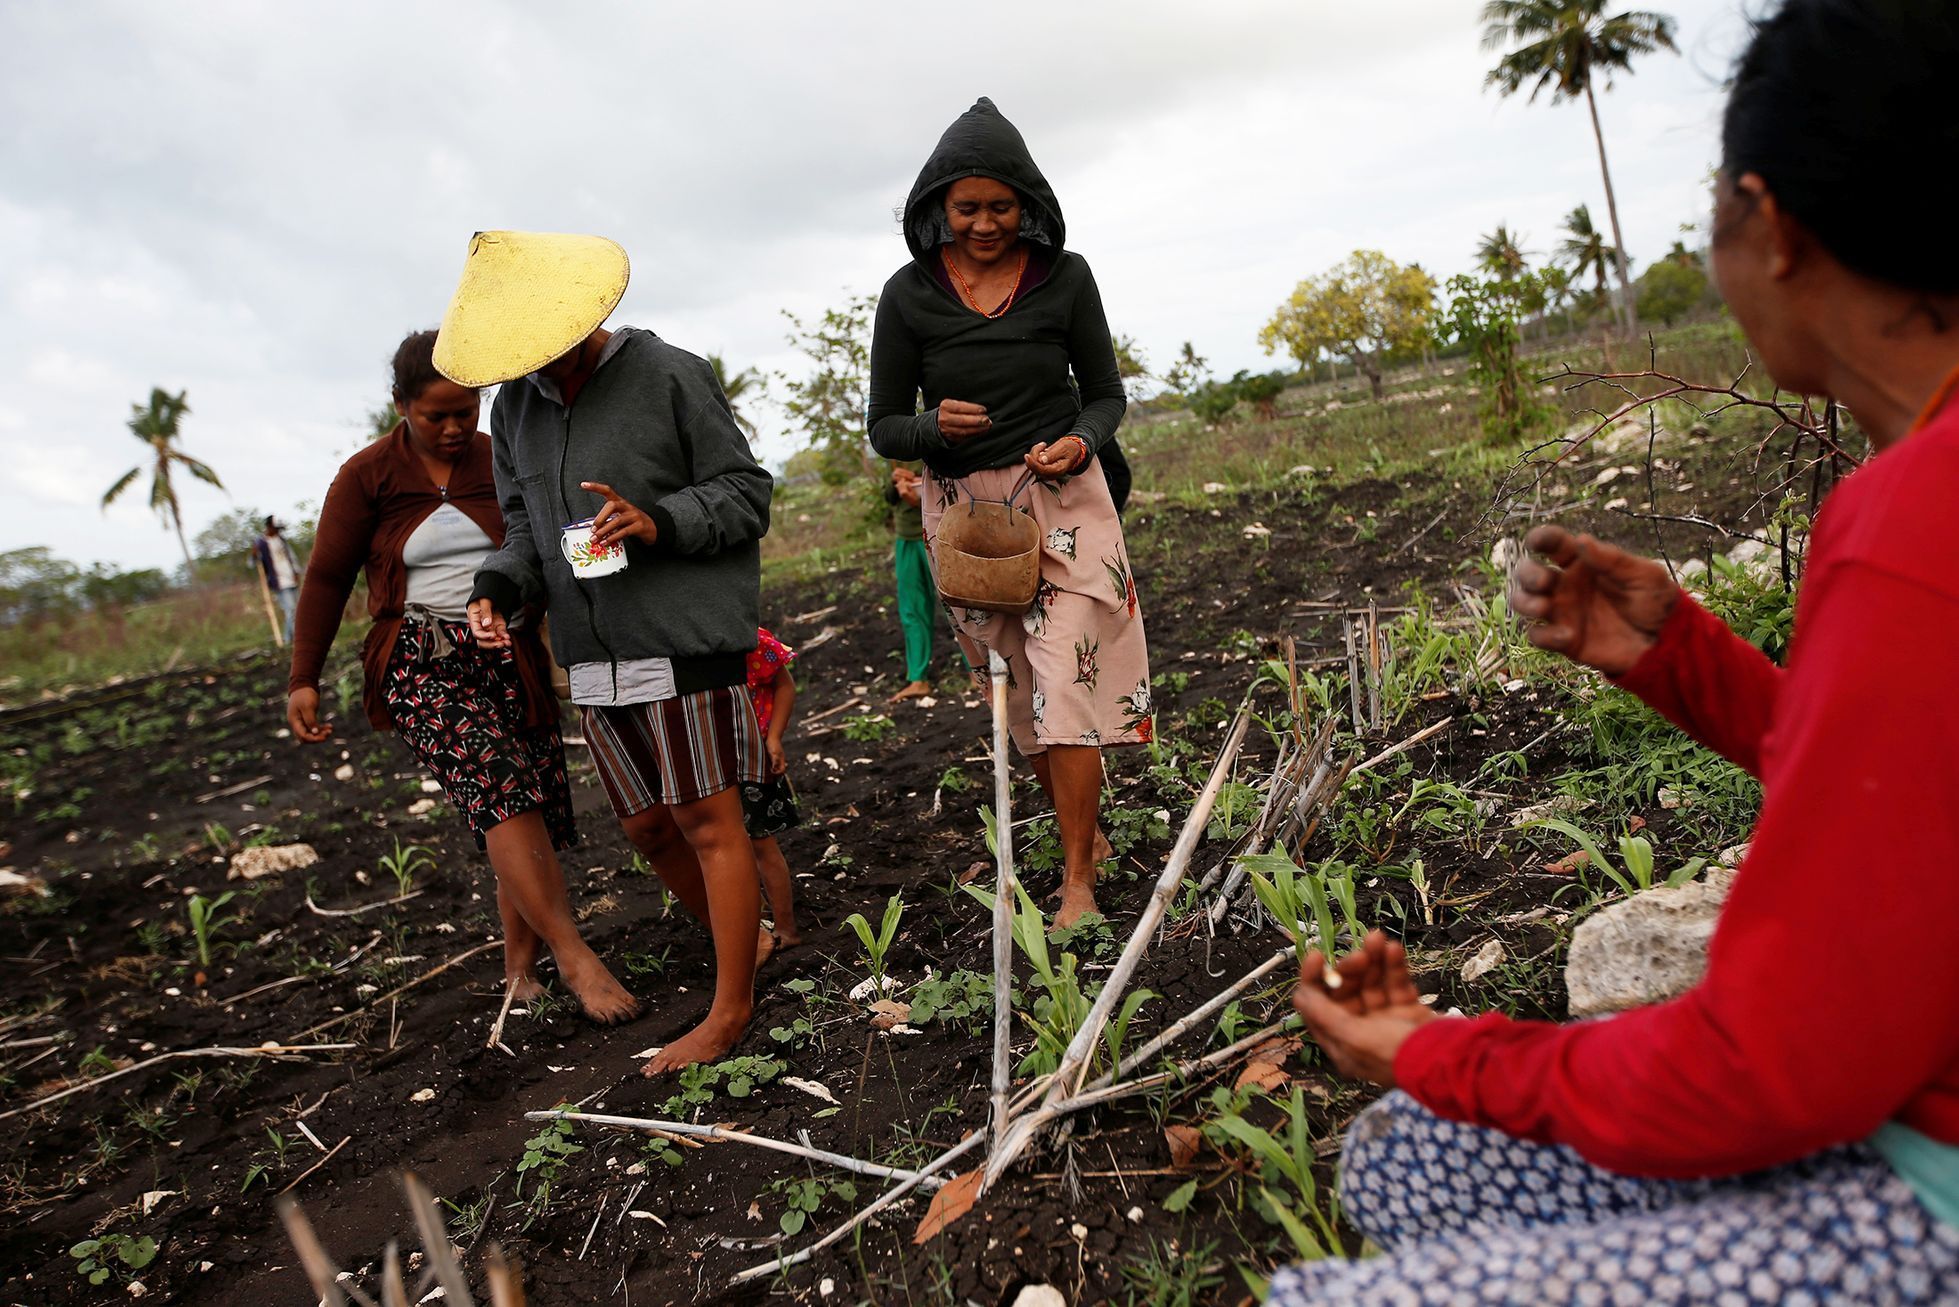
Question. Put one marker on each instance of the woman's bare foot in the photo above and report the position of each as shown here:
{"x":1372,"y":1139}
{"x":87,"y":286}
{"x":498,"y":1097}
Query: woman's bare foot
{"x":1077,"y":900}
{"x":787,"y":937}
{"x":704,"y":1043}
{"x":914,"y":690}
{"x":1104,"y":851}
{"x":766,"y":944}
{"x":602,"y":998}
{"x":523,"y":988}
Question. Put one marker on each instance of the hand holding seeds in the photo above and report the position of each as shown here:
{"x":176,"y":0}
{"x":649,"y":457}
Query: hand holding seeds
{"x":1596,"y":604}
{"x":1362,"y":1009}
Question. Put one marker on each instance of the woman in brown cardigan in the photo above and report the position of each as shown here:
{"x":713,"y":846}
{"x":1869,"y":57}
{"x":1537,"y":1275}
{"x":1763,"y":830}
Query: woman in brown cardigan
{"x":417,"y":510}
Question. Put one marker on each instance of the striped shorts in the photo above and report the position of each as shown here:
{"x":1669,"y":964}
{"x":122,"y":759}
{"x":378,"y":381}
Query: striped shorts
{"x":676,"y":750}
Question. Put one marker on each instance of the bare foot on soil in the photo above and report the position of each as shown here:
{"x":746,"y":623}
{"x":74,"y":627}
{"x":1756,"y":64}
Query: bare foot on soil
{"x":602,"y":998}
{"x":1077,"y":901}
{"x":766,"y":944}
{"x":704,"y":1043}
{"x":1104,"y":851}
{"x":523,"y":988}
{"x":787,"y":938}
{"x":915,"y":690}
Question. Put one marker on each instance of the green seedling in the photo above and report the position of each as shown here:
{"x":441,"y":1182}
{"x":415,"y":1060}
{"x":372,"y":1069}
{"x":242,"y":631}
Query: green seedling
{"x":1636,"y":851}
{"x":545,"y":1155}
{"x":869,"y":728}
{"x":205,"y":923}
{"x":96,"y":1259}
{"x":878,"y":944}
{"x":805,"y":1194}
{"x":404,"y":862}
{"x":1288,"y":1189}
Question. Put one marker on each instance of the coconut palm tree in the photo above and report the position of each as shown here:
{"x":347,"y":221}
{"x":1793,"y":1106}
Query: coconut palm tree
{"x":1584,"y":249}
{"x":1501,"y":254}
{"x":746,"y":382}
{"x":155,"y":424}
{"x":1561,"y":44}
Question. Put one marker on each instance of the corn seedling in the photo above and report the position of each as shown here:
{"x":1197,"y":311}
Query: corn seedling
{"x":878,"y":943}
{"x":1289,"y":1191}
{"x":404,"y":862}
{"x":1635,"y":851}
{"x":1295,"y":898}
{"x":205,"y":923}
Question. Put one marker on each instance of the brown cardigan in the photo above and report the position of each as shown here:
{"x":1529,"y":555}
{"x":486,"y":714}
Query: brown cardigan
{"x":375,"y":503}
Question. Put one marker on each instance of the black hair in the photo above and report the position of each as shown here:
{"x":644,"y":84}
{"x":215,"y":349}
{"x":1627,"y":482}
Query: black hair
{"x":1846,"y":110}
{"x":414,"y":366}
{"x":272,"y":524}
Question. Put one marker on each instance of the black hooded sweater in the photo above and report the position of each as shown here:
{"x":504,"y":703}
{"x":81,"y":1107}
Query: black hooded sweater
{"x":1018,"y":364}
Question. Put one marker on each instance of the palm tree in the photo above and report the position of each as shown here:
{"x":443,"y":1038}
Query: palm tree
{"x":1500,"y":254}
{"x":734,"y":387}
{"x":1560,"y":44}
{"x":1584,"y":249}
{"x":155,"y":424}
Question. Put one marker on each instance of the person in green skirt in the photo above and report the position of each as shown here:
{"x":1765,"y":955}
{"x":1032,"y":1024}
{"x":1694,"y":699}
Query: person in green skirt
{"x":918,"y":595}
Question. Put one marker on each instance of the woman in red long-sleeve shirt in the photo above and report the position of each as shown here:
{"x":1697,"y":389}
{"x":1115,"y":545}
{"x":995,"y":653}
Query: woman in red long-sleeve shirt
{"x":1788,"y":1130}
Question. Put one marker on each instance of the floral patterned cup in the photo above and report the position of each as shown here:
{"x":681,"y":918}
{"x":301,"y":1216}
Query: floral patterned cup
{"x":588,"y":560}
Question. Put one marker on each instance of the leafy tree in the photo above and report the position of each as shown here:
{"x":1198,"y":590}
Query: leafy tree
{"x":378,"y":422}
{"x":1670,"y":288}
{"x":34,"y":584}
{"x":156,"y":425}
{"x":1358,"y":310}
{"x":1561,"y":45}
{"x":1188,"y":372}
{"x":229,"y":535}
{"x":1486,"y":315}
{"x":746,"y":384}
{"x":1500,"y":254}
{"x":828,"y":402}
{"x":1131,"y":366}
{"x":1261,"y":390}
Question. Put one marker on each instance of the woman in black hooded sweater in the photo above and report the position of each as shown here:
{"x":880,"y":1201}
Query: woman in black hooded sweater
{"x":1001,"y":329}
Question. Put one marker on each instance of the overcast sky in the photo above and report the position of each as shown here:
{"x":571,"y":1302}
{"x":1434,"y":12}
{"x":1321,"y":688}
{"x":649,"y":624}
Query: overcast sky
{"x":254,"y":202}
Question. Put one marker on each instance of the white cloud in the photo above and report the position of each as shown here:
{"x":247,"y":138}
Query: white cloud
{"x":253,"y":203}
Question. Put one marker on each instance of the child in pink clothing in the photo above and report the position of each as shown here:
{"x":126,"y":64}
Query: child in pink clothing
{"x":770,"y":807}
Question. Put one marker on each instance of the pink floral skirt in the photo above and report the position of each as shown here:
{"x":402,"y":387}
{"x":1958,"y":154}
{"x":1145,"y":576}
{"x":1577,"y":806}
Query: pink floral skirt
{"x":1077,"y":664}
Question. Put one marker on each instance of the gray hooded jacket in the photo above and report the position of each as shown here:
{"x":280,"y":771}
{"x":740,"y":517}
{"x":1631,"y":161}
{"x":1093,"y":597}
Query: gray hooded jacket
{"x":653,"y":424}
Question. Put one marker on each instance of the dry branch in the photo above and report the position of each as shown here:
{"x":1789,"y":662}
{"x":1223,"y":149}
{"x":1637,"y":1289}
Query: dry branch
{"x":1003,"y":901}
{"x":399,"y":990}
{"x":271,"y":1050}
{"x":686,"y":1128}
{"x":1073,"y":1066}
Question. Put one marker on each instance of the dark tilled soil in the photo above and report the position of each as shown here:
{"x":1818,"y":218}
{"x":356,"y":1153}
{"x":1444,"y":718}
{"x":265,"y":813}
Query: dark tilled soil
{"x":117,"y":824}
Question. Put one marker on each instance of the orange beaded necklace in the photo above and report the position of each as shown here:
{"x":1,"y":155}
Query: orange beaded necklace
{"x":966,"y":287}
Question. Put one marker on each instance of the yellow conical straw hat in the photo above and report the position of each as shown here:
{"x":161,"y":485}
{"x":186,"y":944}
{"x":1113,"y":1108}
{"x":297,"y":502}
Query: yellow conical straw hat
{"x":525,"y":299}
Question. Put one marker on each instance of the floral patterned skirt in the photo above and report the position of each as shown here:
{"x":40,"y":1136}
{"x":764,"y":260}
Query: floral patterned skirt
{"x":1077,"y":663}
{"x":460,"y":708}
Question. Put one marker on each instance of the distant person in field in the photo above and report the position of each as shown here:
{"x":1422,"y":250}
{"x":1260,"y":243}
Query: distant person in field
{"x":770,"y":806}
{"x":635,"y":512}
{"x":273,"y":556}
{"x":1001,"y":328}
{"x":918,"y":597}
{"x":1788,"y":1130}
{"x":416,"y":512}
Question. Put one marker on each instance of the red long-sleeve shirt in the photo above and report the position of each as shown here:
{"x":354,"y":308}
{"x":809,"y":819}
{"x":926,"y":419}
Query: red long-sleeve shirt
{"x":1831,"y":999}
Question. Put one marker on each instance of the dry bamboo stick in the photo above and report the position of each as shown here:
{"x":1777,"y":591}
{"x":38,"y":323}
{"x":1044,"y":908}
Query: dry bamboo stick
{"x":399,"y":990}
{"x":838,"y":1160}
{"x":319,"y":1267}
{"x":1405,"y":745}
{"x":1353,"y":671}
{"x":503,"y":1013}
{"x":317,"y":1165}
{"x":393,"y":1292}
{"x":1179,"y":1029}
{"x":1003,"y":901}
{"x":1073,"y":1066}
{"x":436,"y":1247}
{"x":1374,"y":667}
{"x":884,"y":1200}
{"x":506,"y":1283}
{"x":273,"y":1050}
